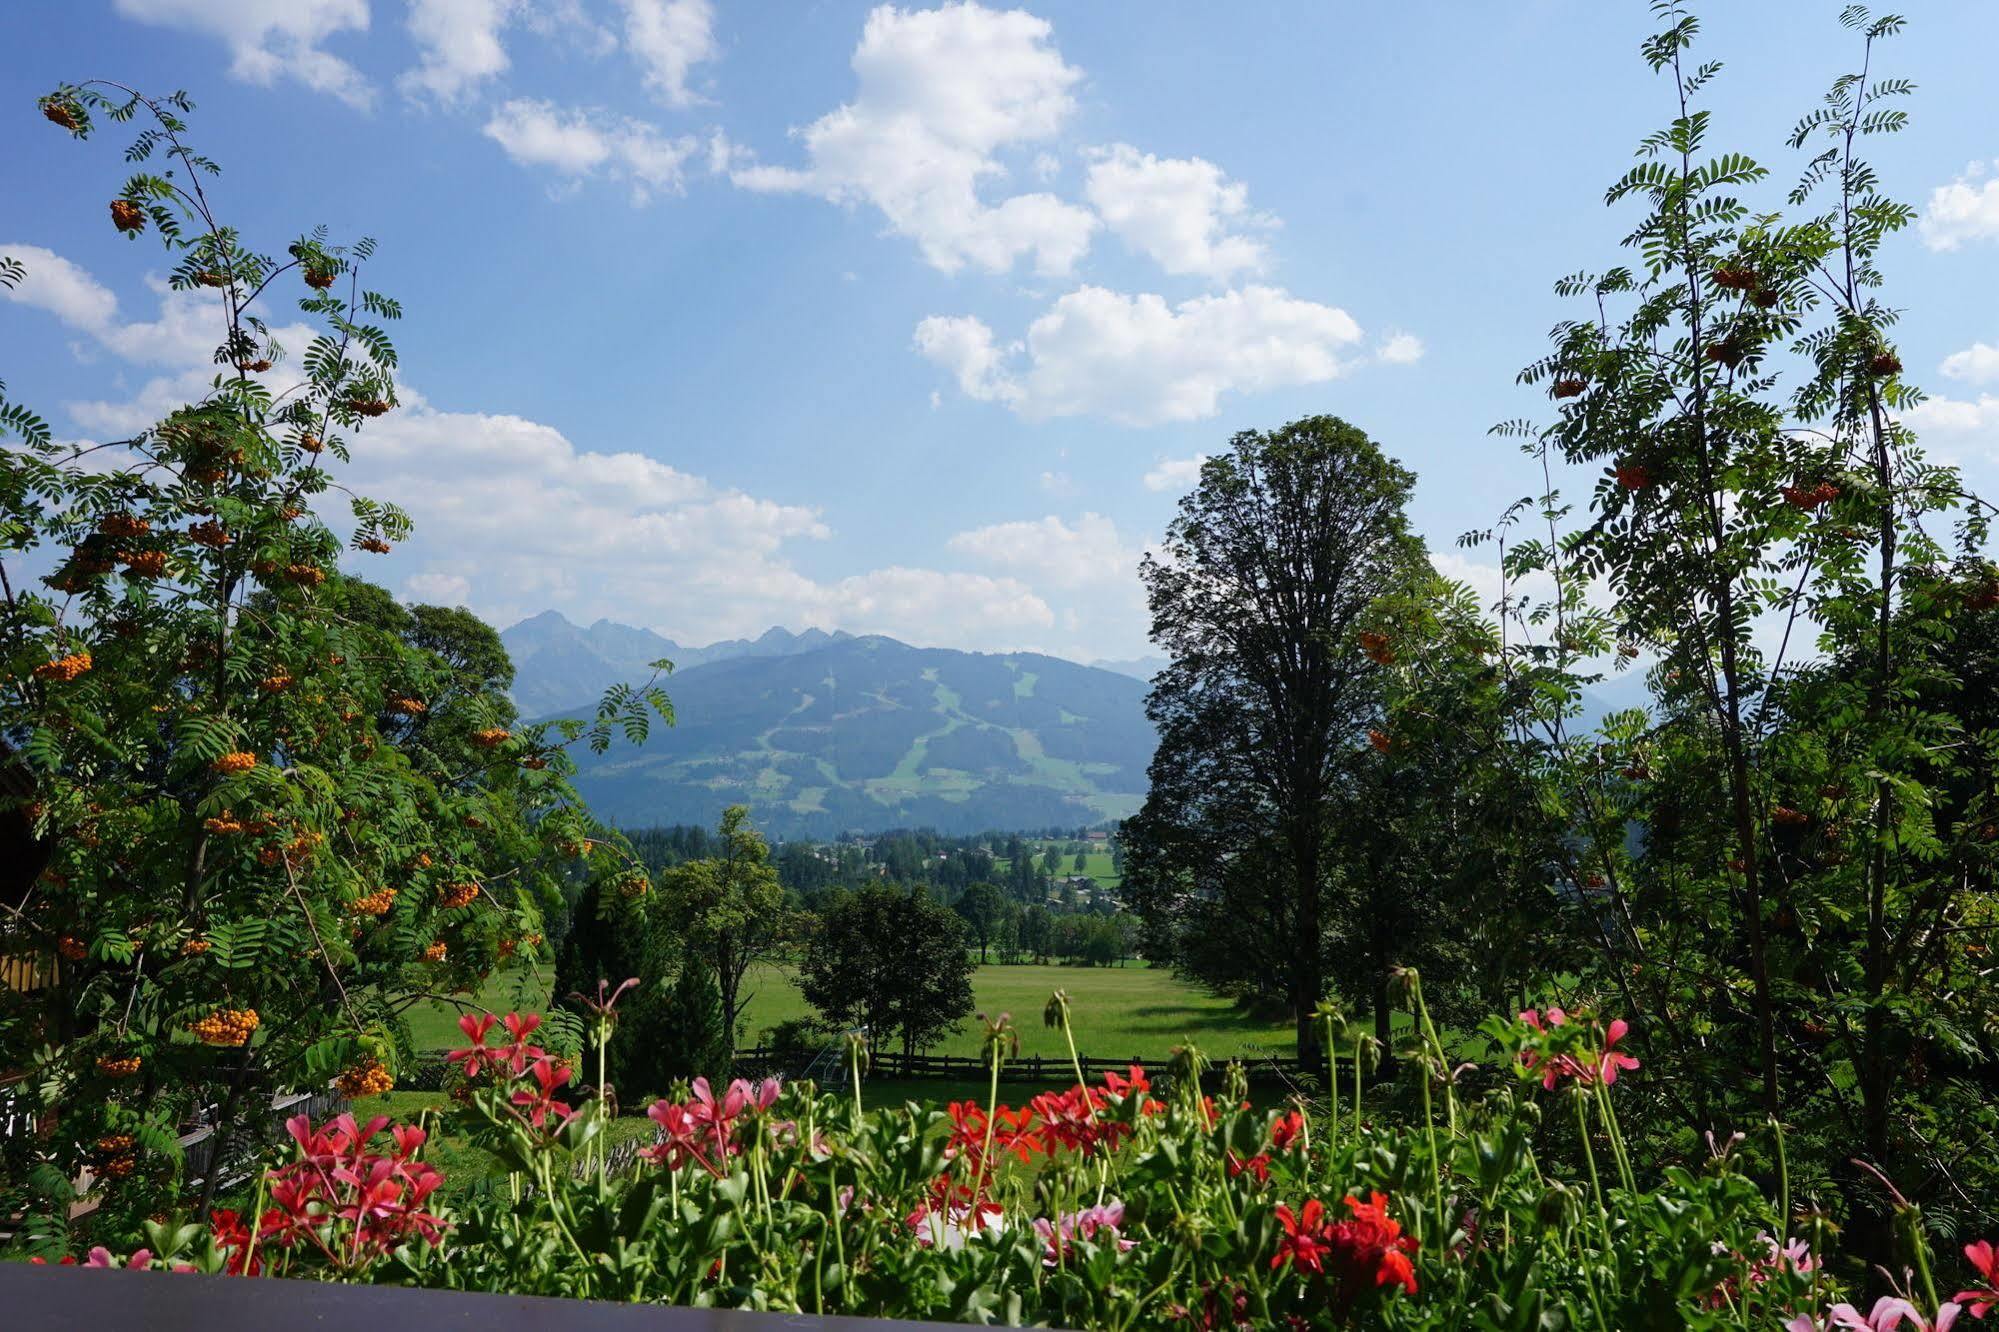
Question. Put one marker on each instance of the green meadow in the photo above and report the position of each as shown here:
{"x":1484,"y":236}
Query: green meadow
{"x":1130,"y":1012}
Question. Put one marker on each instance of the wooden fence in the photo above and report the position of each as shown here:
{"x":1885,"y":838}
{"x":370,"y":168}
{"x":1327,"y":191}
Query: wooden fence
{"x":1045,"y":1070}
{"x":828,"y":1066}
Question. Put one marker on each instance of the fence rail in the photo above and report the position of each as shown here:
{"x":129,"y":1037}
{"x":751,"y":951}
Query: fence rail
{"x":1029,"y":1068}
{"x":827,"y":1064}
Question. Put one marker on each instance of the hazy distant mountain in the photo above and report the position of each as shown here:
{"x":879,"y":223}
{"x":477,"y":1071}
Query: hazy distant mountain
{"x":1138,"y":668}
{"x":843,"y":733}
{"x":559,"y":666}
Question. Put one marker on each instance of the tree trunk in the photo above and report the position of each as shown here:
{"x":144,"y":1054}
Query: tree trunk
{"x":225,"y":1133}
{"x":1307,"y":985}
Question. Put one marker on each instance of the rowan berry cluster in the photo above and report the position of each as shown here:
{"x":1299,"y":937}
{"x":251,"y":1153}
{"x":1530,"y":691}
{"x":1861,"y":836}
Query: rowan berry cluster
{"x":225,"y":1026}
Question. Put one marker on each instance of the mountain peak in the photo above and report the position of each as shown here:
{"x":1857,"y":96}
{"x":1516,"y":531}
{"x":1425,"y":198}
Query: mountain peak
{"x":548,"y":619}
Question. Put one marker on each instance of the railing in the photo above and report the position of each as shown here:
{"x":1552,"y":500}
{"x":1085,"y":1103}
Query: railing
{"x":65,"y":1297}
{"x":246,"y":1149}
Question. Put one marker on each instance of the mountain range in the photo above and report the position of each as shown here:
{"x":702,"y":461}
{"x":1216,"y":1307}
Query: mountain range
{"x":826,"y":733}
{"x":561,"y":666}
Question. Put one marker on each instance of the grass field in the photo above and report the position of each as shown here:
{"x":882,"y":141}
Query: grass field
{"x":1132,"y":1012}
{"x":1096,"y":864}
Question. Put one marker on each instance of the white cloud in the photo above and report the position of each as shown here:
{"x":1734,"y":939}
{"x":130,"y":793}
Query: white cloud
{"x":1139,"y":361}
{"x":574,"y":142}
{"x":669,"y":38}
{"x":1952,"y":416}
{"x":459,"y":43}
{"x":1401,"y":349}
{"x":1977,"y":364}
{"x":725,"y":154}
{"x":1053,"y":552}
{"x":1175,"y":473}
{"x":268,"y":40}
{"x":963,"y":345}
{"x":566,"y":20}
{"x":189,"y":328}
{"x":438,"y":589}
{"x":1487,"y":581}
{"x":926,"y":606}
{"x":1967,"y":209}
{"x":1058,"y":483}
{"x":1175,"y":211}
{"x":512,"y":517}
{"x":941,"y":93}
{"x":55,"y":284}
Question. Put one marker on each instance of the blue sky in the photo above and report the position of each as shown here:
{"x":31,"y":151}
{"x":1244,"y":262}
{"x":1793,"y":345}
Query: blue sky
{"x":913,"y":320}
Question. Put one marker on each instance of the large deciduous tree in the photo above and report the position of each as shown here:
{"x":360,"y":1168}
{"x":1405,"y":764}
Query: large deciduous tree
{"x":1263,"y":712}
{"x":892,"y":961}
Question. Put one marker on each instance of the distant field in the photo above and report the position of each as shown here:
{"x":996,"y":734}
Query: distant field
{"x":1118,"y":1012}
{"x":1096,"y":864}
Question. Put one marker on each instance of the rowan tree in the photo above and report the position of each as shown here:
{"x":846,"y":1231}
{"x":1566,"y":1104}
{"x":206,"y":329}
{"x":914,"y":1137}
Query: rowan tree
{"x":250,"y":854}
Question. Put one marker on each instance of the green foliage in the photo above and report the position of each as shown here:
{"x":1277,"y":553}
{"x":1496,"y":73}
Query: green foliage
{"x":892,"y":962}
{"x":259,"y":808}
{"x":730,"y":911}
{"x":1784,"y":862}
{"x":693,"y":1034}
{"x":1263,"y":578}
{"x":1133,"y":1203}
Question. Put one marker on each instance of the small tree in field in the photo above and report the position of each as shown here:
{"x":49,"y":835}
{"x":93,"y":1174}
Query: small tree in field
{"x":263,"y":809}
{"x":984,"y":909}
{"x":891,"y":961}
{"x":730,"y":910}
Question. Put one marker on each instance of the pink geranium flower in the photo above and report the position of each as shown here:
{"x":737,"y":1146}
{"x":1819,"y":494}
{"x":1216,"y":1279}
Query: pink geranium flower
{"x":1890,"y":1313}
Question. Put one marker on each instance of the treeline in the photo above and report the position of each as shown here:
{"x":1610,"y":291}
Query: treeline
{"x":1032,"y":867}
{"x":877,"y":933}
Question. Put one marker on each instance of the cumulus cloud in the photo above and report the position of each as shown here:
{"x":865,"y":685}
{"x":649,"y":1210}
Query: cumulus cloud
{"x":1178,"y":212}
{"x":963,"y":345}
{"x":1401,"y":349}
{"x":512,"y":517}
{"x":268,"y":41}
{"x":1084,"y":563}
{"x":184,"y":335}
{"x":54,"y":284}
{"x":1052,"y":552}
{"x":458,"y":44}
{"x":437,"y":589}
{"x":1136,"y":360}
{"x":1967,"y":209}
{"x":1175,"y":473}
{"x":669,"y":38}
{"x":941,"y":94}
{"x":576,"y":143}
{"x":1955,"y":416}
{"x":1977,"y":364}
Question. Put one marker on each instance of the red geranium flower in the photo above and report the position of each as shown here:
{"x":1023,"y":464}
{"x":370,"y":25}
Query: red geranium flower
{"x":1365,"y":1251}
{"x":1304,"y":1245}
{"x":1257,"y":1166}
{"x":538,"y":1102}
{"x":1981,"y":1298}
